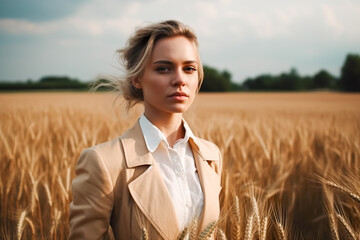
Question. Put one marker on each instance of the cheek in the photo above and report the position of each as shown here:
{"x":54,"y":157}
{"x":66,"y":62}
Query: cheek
{"x":194,"y":85}
{"x":153,"y":88}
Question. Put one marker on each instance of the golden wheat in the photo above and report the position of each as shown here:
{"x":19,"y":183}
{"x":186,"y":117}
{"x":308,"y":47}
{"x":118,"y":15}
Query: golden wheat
{"x":289,"y":159}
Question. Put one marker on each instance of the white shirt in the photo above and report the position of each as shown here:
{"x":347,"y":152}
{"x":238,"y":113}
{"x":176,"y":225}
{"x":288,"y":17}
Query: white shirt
{"x":177,"y":168}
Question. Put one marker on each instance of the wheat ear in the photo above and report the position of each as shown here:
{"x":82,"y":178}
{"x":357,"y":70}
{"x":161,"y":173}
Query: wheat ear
{"x":221,"y":234}
{"x":20,"y":226}
{"x":207,"y":231}
{"x":144,"y":234}
{"x":256,"y":213}
{"x":193,"y":230}
{"x":249,"y":227}
{"x":280,"y":230}
{"x":264,"y":228}
{"x":183,"y":233}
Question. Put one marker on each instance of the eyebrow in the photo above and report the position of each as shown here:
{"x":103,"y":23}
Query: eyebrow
{"x":171,"y":63}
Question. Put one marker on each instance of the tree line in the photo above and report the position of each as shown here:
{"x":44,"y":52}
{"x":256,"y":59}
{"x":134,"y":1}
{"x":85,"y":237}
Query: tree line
{"x":349,"y":80}
{"x":221,"y":81}
{"x":46,"y":83}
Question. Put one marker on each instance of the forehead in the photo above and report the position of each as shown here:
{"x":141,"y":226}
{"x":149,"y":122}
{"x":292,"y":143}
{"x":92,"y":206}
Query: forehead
{"x":177,"y":48}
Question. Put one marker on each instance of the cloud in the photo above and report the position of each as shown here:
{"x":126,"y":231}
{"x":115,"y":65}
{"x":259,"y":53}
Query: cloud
{"x":89,"y":21}
{"x":38,"y":10}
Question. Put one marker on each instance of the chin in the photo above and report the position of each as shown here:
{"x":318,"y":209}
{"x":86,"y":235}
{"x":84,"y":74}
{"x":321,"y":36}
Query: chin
{"x":181,"y":109}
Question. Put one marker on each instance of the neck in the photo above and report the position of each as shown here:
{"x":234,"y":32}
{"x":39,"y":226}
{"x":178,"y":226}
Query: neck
{"x":169,"y":124}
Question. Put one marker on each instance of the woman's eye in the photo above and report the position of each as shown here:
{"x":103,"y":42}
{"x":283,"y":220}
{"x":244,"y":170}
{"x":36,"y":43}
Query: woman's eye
{"x":190,"y":69}
{"x":163,"y":69}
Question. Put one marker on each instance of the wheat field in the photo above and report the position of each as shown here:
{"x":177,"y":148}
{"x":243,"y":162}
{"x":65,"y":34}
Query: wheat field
{"x":291,"y":160}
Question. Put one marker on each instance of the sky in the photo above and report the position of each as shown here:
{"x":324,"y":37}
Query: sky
{"x":79,"y":38}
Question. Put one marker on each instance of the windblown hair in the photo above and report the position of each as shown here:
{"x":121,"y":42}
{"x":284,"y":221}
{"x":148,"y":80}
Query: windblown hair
{"x":137,"y":52}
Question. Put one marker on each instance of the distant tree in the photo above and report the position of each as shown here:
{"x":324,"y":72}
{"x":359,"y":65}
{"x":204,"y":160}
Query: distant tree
{"x":45,"y":83}
{"x":60,"y":82}
{"x":57,"y":80}
{"x":289,"y":81}
{"x":234,"y":87}
{"x":350,"y":73}
{"x":216,"y":81}
{"x":305,"y":83}
{"x":323,"y":79}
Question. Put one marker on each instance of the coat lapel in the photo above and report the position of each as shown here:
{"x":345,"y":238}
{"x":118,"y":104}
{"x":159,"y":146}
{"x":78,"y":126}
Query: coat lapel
{"x":209,"y":180}
{"x":148,"y":188}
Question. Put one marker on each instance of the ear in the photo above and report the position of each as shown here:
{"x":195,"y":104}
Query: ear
{"x":136,"y":82}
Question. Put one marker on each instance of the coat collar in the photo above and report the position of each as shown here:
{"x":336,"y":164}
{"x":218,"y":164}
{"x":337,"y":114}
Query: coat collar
{"x":136,"y":153}
{"x":159,"y":210}
{"x":135,"y":143}
{"x":153,"y":136}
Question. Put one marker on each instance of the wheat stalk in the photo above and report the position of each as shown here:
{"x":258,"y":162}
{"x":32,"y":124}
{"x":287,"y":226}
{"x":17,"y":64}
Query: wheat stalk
{"x":346,"y":225}
{"x":34,"y":197}
{"x":55,"y":222}
{"x":68,"y":174}
{"x":236,"y":230}
{"x":261,"y":141}
{"x":21,"y":185}
{"x":333,"y":228}
{"x":344,"y":189}
{"x":31,"y":225}
{"x":66,"y":195}
{"x":6,"y":145}
{"x":48,"y":194}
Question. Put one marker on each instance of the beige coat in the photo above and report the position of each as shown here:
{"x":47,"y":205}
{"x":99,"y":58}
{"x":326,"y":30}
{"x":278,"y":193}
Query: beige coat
{"x":118,"y":184}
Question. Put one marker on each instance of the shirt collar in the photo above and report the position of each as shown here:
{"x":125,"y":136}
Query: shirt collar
{"x":153,"y":136}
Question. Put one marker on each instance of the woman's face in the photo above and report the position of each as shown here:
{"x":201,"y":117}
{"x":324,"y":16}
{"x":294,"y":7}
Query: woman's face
{"x":170,"y":78}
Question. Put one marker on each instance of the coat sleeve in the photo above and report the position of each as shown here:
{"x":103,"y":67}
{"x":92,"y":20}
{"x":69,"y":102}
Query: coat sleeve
{"x":93,"y":197}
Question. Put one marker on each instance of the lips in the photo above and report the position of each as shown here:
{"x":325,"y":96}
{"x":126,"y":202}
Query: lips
{"x":179,"y":94}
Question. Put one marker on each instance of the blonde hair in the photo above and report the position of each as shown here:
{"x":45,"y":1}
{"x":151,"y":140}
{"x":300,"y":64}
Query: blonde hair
{"x":137,"y":52}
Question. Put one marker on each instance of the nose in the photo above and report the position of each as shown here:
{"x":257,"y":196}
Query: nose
{"x":178,"y":78}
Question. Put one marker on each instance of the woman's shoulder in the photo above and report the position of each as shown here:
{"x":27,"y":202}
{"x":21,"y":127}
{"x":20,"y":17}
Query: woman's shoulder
{"x":106,"y":157}
{"x":108,"y":147}
{"x":206,"y":147}
{"x":206,"y":144}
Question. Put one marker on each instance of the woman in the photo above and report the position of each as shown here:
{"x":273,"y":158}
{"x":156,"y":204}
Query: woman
{"x":157,"y":175}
